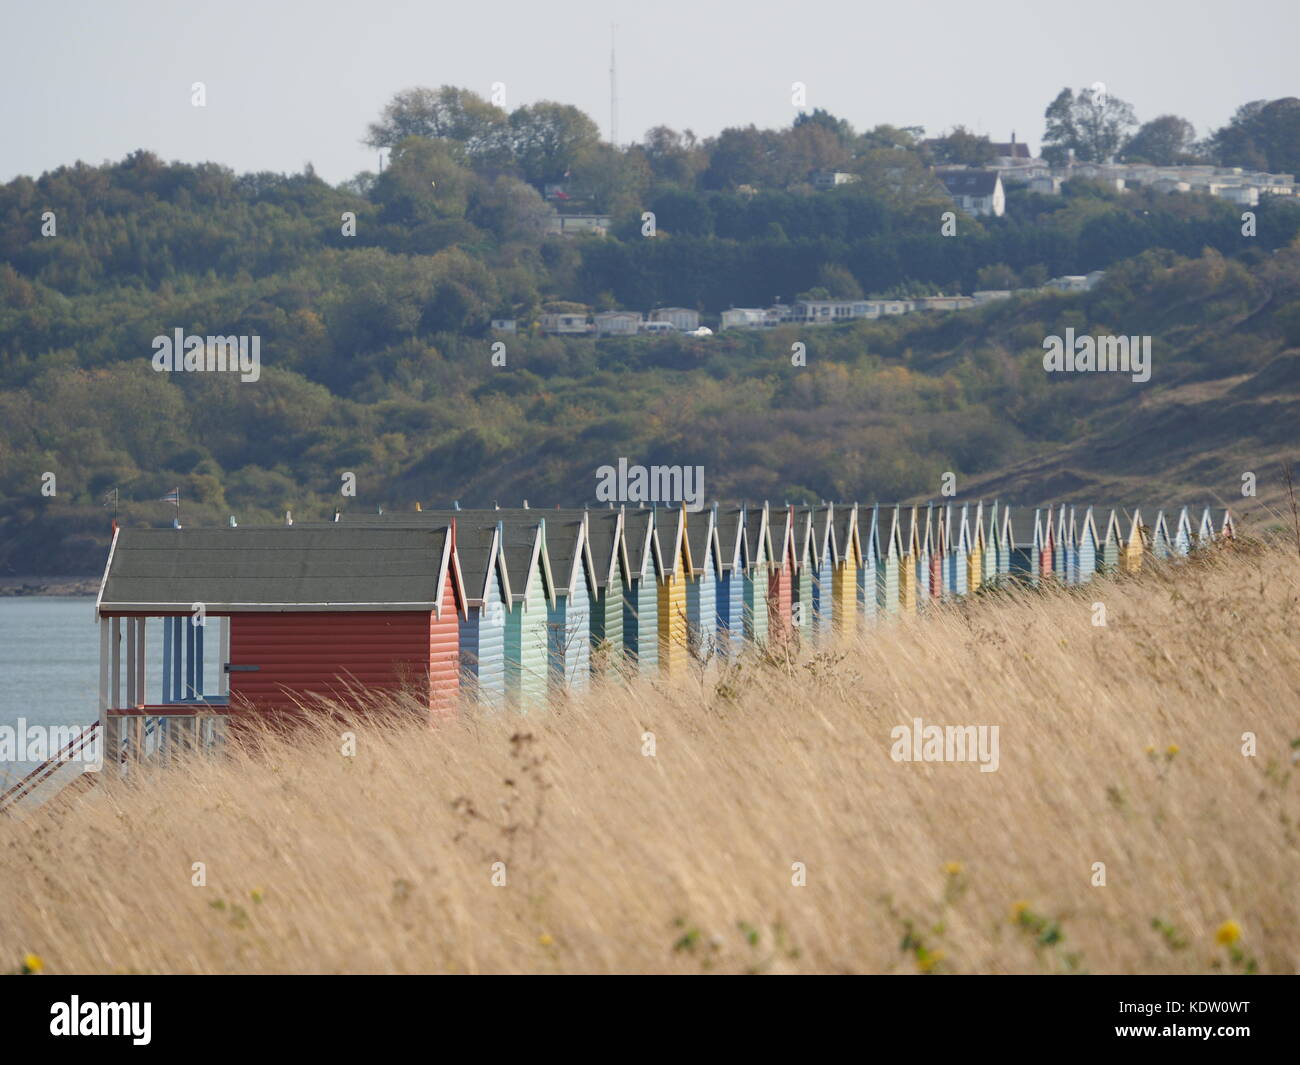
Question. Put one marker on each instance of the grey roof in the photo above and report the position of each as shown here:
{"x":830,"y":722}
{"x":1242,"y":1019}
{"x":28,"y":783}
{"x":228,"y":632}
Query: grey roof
{"x":635,"y":522}
{"x":602,"y":526}
{"x":1022,"y":525}
{"x":519,"y":533}
{"x":843,"y":515}
{"x":729,"y":528}
{"x":276,"y":568}
{"x":753,"y":524}
{"x":969,"y":182}
{"x":698,"y":528}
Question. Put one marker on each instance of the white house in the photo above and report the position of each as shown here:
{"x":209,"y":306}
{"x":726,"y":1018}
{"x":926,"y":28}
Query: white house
{"x":977,"y":192}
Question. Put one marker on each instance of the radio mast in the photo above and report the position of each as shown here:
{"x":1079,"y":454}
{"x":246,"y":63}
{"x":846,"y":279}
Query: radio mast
{"x":613,"y":91}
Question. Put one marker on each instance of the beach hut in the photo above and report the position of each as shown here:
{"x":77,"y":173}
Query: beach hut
{"x":641,"y":606}
{"x":1006,"y":544}
{"x":758,"y":552}
{"x":702,"y":589}
{"x":568,"y":618}
{"x":487,"y":603}
{"x":340,"y":614}
{"x":609,"y":557}
{"x":1205,"y":532}
{"x":910,"y":549}
{"x":975,"y":560}
{"x":991,"y":546}
{"x":1072,"y":548}
{"x":1061,"y":547}
{"x":804,"y":576}
{"x":933,"y":552}
{"x":823,"y":583}
{"x":674,"y":647}
{"x":1134,"y":545}
{"x":1182,"y":533}
{"x":1088,"y":545}
{"x":848,"y":560}
{"x":532,"y":589}
{"x":1045,"y":536}
{"x":1161,"y":540}
{"x":1112,"y":543}
{"x":780,"y":577}
{"x":1228,"y":530}
{"x":730,"y":600}
{"x":957,"y":536}
{"x":868,"y":594}
{"x":887,"y":564}
{"x":1023,"y":528}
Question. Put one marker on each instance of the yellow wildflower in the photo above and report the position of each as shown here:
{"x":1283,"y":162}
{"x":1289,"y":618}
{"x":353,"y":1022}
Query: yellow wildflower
{"x":1172,"y":750}
{"x":952,"y":868}
{"x":1017,"y":909}
{"x":1229,"y":932}
{"x":545,"y":940}
{"x":32,"y":963}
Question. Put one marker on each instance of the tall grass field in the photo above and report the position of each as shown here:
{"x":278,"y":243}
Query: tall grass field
{"x":1143,"y":815}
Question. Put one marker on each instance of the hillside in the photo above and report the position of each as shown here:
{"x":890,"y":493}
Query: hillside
{"x":377,"y":359}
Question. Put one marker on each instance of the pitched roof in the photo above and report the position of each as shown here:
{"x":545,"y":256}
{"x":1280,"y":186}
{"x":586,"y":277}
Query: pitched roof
{"x":969,"y":182}
{"x":636,"y":523}
{"x":700,"y":537}
{"x":730,"y":524}
{"x":275,"y":568}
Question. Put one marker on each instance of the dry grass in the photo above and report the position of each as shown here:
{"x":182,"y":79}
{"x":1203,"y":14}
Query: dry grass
{"x":1119,"y":744}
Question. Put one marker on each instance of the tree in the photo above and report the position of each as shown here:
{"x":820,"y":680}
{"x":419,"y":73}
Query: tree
{"x":840,"y":127}
{"x":740,"y":156}
{"x":547,"y":139}
{"x":1164,"y":141}
{"x":961,"y":147}
{"x":1092,"y":124}
{"x":425,"y":182}
{"x":1262,"y":135}
{"x":447,"y":113}
{"x":674,"y":158}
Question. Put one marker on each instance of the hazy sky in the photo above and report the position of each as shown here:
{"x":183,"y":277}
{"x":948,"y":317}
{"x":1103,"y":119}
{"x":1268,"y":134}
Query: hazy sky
{"x":289,"y":83}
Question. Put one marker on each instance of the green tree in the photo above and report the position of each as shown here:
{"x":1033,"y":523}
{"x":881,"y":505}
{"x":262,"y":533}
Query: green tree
{"x":447,"y":113}
{"x":1093,"y":124}
{"x":960,"y":147}
{"x":1262,"y":135}
{"x":548,"y":139}
{"x":1164,"y":141}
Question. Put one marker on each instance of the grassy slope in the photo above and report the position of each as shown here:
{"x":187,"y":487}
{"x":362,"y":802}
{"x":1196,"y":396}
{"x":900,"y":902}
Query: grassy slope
{"x":620,"y":862}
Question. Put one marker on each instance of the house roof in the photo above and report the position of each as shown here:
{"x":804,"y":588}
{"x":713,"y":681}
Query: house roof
{"x":700,"y":536}
{"x":280,"y":568}
{"x":730,"y":524}
{"x":636,"y":523}
{"x":1022,"y":525}
{"x":845,"y":526}
{"x":969,"y":182}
